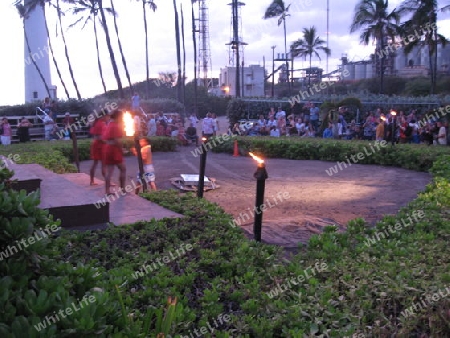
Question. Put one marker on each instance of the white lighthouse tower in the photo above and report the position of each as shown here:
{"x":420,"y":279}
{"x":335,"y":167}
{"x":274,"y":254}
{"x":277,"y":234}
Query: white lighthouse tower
{"x":37,"y":38}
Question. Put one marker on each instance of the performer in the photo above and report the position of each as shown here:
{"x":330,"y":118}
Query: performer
{"x":149,"y":170}
{"x":112,"y":151}
{"x":96,"y":130}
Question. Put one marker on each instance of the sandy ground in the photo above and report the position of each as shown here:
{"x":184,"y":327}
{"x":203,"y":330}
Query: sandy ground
{"x":301,"y":197}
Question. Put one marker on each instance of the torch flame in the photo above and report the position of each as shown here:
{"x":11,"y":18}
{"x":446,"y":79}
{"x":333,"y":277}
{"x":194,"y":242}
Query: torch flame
{"x":393,"y":113}
{"x":256,"y":158}
{"x":128,"y":121}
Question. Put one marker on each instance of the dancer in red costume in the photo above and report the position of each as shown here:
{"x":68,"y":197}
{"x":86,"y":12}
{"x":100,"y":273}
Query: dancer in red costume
{"x":97,"y":128}
{"x":112,"y":151}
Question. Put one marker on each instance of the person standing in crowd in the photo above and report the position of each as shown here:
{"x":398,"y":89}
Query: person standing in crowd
{"x":193,"y":120}
{"x":379,"y":132}
{"x":6,"y":132}
{"x":215,"y":124}
{"x":96,"y":131}
{"x":208,"y":126}
{"x":23,"y":130}
{"x":135,"y":102}
{"x":112,"y":151}
{"x":68,"y":124}
{"x":149,"y":170}
{"x":47,"y":105}
{"x":314,"y":115}
{"x":151,"y":126}
{"x":442,"y":134}
{"x":48,"y":125}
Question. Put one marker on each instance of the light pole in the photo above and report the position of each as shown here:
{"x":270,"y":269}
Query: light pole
{"x":273,"y":70}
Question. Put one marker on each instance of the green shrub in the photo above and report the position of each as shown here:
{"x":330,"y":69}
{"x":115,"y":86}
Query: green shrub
{"x":408,"y":156}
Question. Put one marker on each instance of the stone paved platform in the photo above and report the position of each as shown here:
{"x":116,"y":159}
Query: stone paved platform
{"x":79,"y":206}
{"x":126,"y":209}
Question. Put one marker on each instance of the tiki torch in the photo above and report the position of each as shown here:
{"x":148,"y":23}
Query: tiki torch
{"x":128,"y":121}
{"x":394,"y":121}
{"x":201,"y":177}
{"x":261,"y":176}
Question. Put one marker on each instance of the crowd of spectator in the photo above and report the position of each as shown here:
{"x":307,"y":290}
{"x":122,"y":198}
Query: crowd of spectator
{"x":404,"y":127}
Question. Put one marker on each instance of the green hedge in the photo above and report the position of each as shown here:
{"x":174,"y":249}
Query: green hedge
{"x":407,"y":156}
{"x":58,"y":156}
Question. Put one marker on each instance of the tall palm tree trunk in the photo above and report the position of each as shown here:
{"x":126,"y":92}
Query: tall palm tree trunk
{"x":53,"y":55}
{"x":382,"y":64}
{"x":124,"y":62}
{"x":110,"y":50}
{"x":66,"y":52}
{"x":177,"y":37}
{"x":194,"y":42}
{"x":147,"y":70}
{"x":184,"y":55}
{"x":100,"y":70}
{"x":310,"y":69}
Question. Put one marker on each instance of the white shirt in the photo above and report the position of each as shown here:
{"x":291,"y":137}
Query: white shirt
{"x":193,"y":119}
{"x":300,"y":126}
{"x":275,"y":133}
{"x":48,"y":123}
{"x":208,"y":126}
{"x":279,"y":114}
{"x":271,"y":123}
{"x":442,"y":136}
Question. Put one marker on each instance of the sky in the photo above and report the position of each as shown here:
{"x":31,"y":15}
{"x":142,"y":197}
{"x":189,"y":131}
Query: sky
{"x":258,"y":33}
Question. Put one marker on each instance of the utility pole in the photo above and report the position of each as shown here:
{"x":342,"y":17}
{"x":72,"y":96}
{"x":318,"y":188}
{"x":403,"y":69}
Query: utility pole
{"x":273,"y":70}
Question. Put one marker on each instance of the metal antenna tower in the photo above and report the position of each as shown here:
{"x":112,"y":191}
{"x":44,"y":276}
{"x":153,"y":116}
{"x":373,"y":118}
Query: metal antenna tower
{"x":236,"y":44}
{"x":204,"y":50}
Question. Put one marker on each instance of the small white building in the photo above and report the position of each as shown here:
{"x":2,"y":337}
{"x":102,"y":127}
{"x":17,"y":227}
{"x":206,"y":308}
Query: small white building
{"x":251,"y":80}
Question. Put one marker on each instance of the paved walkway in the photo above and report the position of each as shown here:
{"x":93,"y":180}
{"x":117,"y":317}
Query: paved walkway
{"x":126,"y":209}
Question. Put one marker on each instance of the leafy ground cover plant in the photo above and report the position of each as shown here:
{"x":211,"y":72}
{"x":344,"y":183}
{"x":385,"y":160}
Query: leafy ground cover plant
{"x":372,"y":282}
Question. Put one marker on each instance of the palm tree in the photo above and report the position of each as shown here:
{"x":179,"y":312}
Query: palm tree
{"x":184,"y":55}
{"x":376,"y":23}
{"x":152,"y":6}
{"x":277,"y":9}
{"x":66,"y":52}
{"x":423,"y":21}
{"x":177,"y":40}
{"x":23,"y":15}
{"x":119,"y":43}
{"x":91,"y":11}
{"x":110,"y":49}
{"x":308,"y":45}
{"x":29,"y":7}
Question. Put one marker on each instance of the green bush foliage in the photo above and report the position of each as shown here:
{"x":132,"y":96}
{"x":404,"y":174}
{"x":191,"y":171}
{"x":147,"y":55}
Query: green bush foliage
{"x":407,"y":156}
{"x":365,"y":284}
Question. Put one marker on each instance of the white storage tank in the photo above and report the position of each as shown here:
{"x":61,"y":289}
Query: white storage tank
{"x":360,"y":71}
{"x":348,"y":71}
{"x":369,"y":70}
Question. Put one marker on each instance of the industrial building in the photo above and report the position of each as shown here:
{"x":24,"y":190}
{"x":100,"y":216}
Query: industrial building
{"x":414,"y":64}
{"x":251,"y":80}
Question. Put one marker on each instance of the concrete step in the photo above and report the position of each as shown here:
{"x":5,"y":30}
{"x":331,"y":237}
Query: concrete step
{"x":123,"y":209}
{"x":65,"y":200}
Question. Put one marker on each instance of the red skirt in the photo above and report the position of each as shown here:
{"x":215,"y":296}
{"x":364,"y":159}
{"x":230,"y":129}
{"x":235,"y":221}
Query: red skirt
{"x":112,"y":154}
{"x":97,"y":150}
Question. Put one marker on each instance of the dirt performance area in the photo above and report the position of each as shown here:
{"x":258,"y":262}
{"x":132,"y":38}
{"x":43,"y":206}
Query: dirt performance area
{"x":300,"y":196}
